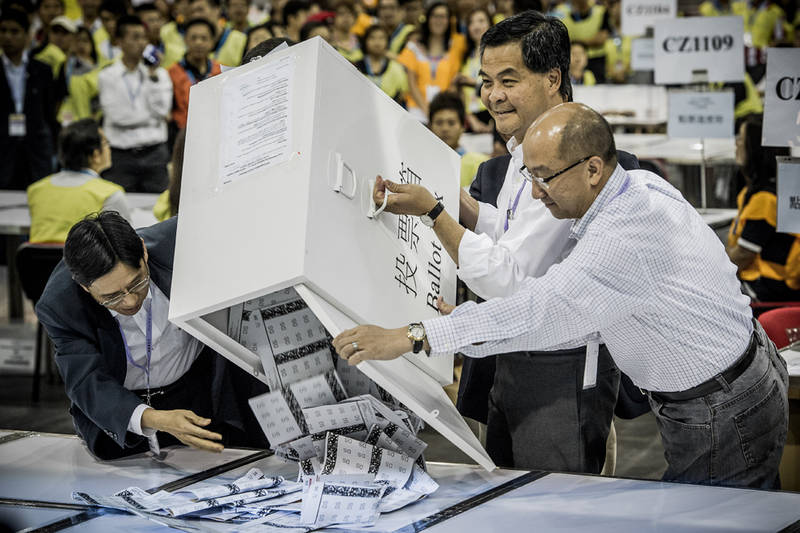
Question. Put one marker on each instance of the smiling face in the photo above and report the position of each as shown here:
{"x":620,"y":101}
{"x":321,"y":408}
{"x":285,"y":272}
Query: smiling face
{"x":477,"y":25}
{"x":514,"y":95}
{"x":439,"y":20}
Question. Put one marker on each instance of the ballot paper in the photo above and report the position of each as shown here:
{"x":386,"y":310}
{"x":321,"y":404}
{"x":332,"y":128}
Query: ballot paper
{"x":326,"y":503}
{"x":405,"y":441}
{"x":322,"y":389}
{"x":126,"y":499}
{"x":344,"y":455}
{"x":237,"y":487}
{"x":234,"y":500}
{"x":279,"y":416}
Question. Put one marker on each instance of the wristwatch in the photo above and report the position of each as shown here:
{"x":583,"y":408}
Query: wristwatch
{"x":416,"y":332}
{"x":430,"y":217}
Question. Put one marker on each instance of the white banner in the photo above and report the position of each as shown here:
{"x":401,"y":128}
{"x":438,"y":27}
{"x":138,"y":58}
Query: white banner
{"x":699,"y":50}
{"x":782,"y":98}
{"x":703,"y":115}
{"x":642,"y":57}
{"x":638,"y":15}
{"x":788,"y":195}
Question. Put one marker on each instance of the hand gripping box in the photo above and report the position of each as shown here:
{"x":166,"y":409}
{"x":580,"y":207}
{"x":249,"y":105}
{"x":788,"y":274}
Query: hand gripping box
{"x":276,"y":232}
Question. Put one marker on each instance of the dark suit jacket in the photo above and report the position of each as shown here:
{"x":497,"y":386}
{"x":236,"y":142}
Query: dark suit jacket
{"x":477,"y":375}
{"x":34,"y":151}
{"x":91,"y":356}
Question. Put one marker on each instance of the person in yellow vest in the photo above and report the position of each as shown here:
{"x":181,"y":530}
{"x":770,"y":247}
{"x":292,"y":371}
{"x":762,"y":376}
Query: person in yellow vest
{"x":228,"y":49}
{"x":168,"y":201}
{"x":768,"y":261}
{"x":446,"y":121}
{"x":724,"y":8}
{"x":391,"y":16}
{"x":386,"y":73}
{"x":587,"y":22}
{"x":433,"y":61}
{"x":478,"y":118}
{"x":82,"y":60}
{"x":503,"y":10}
{"x":105,"y":36}
{"x":58,"y":201}
{"x":57,"y":43}
{"x":617,"y":46}
{"x":769,"y":25}
{"x":342,"y":38}
{"x":578,"y":73}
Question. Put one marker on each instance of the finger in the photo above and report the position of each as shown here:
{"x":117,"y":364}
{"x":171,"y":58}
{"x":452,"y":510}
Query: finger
{"x":343,"y":340}
{"x":203,"y":433}
{"x":444,"y":307}
{"x":356,"y":358}
{"x":196,"y":419}
{"x":202,"y":444}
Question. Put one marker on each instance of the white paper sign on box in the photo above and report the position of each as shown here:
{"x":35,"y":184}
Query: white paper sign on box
{"x":638,"y":15}
{"x":782,"y":98}
{"x":699,"y":49}
{"x":704,"y":115}
{"x":788,"y":195}
{"x":642,"y":54}
{"x":300,"y":220}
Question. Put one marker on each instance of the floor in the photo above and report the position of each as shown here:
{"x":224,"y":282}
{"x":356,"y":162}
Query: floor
{"x":639,"y":451}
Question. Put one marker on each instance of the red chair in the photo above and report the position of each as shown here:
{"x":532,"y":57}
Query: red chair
{"x":777,"y":321}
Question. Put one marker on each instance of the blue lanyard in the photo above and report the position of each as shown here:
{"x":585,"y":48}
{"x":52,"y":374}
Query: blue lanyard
{"x":148,"y":346}
{"x":133,"y":95}
{"x":513,"y":209}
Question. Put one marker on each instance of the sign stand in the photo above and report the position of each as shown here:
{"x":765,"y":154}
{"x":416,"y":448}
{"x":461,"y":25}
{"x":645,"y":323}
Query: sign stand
{"x":703,"y":192}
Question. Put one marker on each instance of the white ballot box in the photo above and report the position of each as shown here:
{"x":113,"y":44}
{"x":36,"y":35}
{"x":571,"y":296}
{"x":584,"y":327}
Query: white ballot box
{"x":276,"y":250}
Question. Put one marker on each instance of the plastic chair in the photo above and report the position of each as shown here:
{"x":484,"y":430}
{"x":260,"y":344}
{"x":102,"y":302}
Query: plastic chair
{"x":776,"y":322}
{"x":35,"y":263}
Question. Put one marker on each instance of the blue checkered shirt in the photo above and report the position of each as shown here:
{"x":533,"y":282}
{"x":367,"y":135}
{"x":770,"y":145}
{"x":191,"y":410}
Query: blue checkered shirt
{"x":647,"y":276}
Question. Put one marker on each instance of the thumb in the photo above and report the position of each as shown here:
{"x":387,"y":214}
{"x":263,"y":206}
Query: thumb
{"x":393,"y":187}
{"x":444,"y":307}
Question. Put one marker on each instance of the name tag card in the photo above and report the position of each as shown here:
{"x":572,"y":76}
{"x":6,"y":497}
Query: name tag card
{"x":638,"y":15}
{"x":703,"y":115}
{"x":699,"y":50}
{"x":642,"y":54}
{"x":788,"y":195}
{"x":782,"y":98}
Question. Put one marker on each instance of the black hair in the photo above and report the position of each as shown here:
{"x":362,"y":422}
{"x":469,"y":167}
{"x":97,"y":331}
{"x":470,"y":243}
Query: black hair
{"x":263,"y":48}
{"x":17,"y":15}
{"x":425,"y":31}
{"x":447,"y":101}
{"x":124,"y":22}
{"x":369,"y":31}
{"x":38,"y":4}
{"x":293,"y":7}
{"x":308,"y":27}
{"x":147,"y":6}
{"x":176,"y":172}
{"x":88,"y":33}
{"x":520,"y":6}
{"x":543,"y":40}
{"x":472,"y":45}
{"x":211,"y":3}
{"x":97,"y":243}
{"x":77,"y":142}
{"x":26,"y":6}
{"x":349,"y":4}
{"x":198,"y":21}
{"x":760,"y":168}
{"x":584,"y":131}
{"x":116,"y":7}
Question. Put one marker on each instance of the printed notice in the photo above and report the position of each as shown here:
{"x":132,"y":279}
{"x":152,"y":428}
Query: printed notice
{"x":255,"y":120}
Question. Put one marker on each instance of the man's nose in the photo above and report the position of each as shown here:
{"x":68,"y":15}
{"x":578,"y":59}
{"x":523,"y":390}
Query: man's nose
{"x":537,"y":191}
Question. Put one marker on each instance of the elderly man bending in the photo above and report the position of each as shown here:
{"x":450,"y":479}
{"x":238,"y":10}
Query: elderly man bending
{"x":650,"y":279}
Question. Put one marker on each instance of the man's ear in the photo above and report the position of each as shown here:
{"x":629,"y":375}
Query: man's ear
{"x":596,"y":167}
{"x":553,"y":81}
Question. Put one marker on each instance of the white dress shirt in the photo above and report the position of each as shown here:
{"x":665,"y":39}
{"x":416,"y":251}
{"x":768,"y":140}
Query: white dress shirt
{"x":494,"y":262}
{"x":135,"y":108}
{"x":647,"y":274}
{"x":16,"y":78}
{"x":173,"y":350}
{"x":70,"y":178}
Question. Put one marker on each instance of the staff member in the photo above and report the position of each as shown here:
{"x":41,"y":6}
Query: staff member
{"x":652,"y":280}
{"x":128,"y":370}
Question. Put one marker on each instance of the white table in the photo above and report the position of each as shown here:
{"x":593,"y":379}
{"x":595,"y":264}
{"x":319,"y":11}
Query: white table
{"x":46,"y":468}
{"x":678,"y":151}
{"x":626,"y":105}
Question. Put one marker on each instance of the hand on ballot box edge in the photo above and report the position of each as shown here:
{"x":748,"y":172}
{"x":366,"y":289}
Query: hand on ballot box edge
{"x":185,"y":426}
{"x":405,"y":199}
{"x":368,"y":342}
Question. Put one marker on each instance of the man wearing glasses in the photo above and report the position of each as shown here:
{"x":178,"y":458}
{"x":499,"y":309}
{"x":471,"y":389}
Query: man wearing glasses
{"x":650,"y":278}
{"x":544,"y":410}
{"x":129,"y":371}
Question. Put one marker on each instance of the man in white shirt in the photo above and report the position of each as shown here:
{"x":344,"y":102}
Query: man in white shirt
{"x":650,"y":279}
{"x":128,"y":371}
{"x":136,"y":100}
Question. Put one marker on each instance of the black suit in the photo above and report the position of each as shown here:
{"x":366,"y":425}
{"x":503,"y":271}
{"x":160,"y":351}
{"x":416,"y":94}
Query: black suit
{"x":537,"y":414}
{"x":90,"y":355}
{"x":24,"y":160}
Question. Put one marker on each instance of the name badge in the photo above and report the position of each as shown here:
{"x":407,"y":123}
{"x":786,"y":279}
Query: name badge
{"x":16,"y":125}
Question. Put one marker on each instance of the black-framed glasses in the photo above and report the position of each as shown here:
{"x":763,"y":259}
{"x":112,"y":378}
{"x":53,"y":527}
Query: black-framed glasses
{"x":543,"y":182}
{"x":133,"y":289}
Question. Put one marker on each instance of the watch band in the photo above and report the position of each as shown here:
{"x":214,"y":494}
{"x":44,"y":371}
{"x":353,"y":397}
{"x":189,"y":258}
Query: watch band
{"x":436,"y":211}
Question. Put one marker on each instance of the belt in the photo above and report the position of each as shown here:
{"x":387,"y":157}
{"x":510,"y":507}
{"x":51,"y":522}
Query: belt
{"x":162,"y":391}
{"x":713,"y":384}
{"x":140,"y":149}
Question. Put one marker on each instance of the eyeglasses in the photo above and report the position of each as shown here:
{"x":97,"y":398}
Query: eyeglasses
{"x":134,"y":289}
{"x":543,"y":182}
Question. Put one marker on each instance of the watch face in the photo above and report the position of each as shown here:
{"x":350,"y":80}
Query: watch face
{"x":425,"y":219}
{"x":417,"y":331}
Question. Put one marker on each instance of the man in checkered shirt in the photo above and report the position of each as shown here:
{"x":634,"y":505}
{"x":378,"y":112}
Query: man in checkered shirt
{"x":649,"y":278}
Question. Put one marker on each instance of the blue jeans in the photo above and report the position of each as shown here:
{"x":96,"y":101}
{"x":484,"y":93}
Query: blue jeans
{"x":733,"y":437}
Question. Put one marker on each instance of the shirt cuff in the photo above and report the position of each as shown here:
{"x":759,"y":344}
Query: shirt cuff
{"x":487,"y":215}
{"x":135,"y":423}
{"x":473,"y":255}
{"x":441,"y":331}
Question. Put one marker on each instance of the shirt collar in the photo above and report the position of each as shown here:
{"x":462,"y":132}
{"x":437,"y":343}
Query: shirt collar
{"x":616,"y":185}
{"x":9,"y":65}
{"x":515,"y":149}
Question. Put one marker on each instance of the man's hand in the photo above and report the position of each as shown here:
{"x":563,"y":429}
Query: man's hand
{"x":363,"y":343}
{"x":405,"y":199}
{"x":185,"y":426}
{"x":444,"y":307}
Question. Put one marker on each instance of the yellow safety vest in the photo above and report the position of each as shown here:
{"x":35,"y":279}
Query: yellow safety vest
{"x":230,"y":54}
{"x":621,"y":54}
{"x":584,"y":29}
{"x":469,"y":166}
{"x":53,"y":56}
{"x":55,"y":209}
{"x":162,"y":209}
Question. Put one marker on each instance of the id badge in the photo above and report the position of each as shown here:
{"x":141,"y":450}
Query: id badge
{"x":16,"y":125}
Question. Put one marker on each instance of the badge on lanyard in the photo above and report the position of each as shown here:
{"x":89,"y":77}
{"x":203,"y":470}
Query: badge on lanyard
{"x":16,"y":125}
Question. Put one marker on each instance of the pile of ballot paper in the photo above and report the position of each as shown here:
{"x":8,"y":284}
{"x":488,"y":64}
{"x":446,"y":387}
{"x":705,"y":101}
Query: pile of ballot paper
{"x":356,"y":446}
